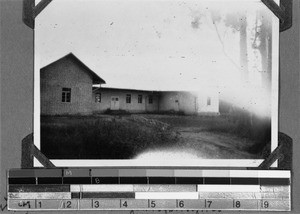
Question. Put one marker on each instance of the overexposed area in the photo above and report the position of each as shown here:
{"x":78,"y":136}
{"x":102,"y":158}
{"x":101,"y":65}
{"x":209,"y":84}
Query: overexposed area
{"x":213,"y":66}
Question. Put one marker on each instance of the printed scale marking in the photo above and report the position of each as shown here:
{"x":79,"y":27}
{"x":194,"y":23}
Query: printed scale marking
{"x":90,"y":189}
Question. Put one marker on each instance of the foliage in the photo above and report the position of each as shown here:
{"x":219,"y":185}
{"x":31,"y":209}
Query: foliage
{"x":116,"y":112}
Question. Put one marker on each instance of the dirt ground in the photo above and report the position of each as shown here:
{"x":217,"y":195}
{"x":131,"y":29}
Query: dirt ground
{"x":196,"y":140}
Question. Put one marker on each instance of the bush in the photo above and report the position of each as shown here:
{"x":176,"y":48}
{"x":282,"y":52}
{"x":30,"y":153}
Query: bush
{"x":116,"y":112}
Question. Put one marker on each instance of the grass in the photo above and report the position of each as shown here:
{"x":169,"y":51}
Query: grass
{"x":89,"y":138}
{"x":124,"y":136}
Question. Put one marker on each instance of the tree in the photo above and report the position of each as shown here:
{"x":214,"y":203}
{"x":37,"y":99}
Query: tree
{"x":263,"y":42}
{"x":238,"y":22}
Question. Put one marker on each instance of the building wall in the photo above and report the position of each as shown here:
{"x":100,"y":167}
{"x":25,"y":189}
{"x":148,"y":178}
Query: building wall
{"x":189,"y":103}
{"x":154,"y":107}
{"x":65,"y":73}
{"x":186,"y":102}
{"x":178,"y":102}
{"x":134,"y":106}
{"x":206,"y":108}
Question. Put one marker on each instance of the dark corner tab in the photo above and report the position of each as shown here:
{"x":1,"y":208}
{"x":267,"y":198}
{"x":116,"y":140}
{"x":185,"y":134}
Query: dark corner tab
{"x":284,"y":12}
{"x":28,"y":13}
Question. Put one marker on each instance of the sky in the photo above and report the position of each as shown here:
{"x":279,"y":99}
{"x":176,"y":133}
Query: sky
{"x":150,"y":45}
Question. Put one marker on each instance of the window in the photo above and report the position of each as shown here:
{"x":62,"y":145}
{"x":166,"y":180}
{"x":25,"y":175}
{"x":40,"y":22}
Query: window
{"x":140,"y":98}
{"x":150,"y":99}
{"x":128,"y":98}
{"x":98,"y":98}
{"x":208,"y":101}
{"x":66,"y":95}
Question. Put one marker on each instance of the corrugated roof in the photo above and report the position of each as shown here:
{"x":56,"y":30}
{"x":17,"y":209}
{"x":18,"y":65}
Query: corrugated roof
{"x":95,"y":77}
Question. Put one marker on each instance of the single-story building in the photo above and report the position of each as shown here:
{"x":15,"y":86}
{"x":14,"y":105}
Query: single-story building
{"x":131,"y":100}
{"x":68,"y":87}
{"x":140,"y":101}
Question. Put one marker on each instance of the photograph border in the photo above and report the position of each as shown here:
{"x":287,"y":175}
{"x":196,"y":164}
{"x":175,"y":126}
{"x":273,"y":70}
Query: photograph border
{"x":187,"y":163}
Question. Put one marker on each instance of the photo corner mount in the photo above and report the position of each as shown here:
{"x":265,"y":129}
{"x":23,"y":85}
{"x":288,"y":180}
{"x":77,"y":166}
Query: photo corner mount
{"x":284,"y":12}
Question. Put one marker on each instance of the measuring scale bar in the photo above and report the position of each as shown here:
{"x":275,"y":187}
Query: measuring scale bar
{"x":148,"y":189}
{"x":166,"y":197}
{"x":150,"y":204}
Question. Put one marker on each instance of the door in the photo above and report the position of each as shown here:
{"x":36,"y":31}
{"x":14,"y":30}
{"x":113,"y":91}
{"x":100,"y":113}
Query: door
{"x":176,"y":105}
{"x":114,"y":104}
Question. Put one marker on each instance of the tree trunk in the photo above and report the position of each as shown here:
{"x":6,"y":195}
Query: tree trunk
{"x":265,"y":49}
{"x":243,"y":49}
{"x":245,"y":117}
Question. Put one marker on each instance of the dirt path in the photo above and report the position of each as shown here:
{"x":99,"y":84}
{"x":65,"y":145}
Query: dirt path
{"x":202,"y":145}
{"x":215,"y":145}
{"x":199,"y":143}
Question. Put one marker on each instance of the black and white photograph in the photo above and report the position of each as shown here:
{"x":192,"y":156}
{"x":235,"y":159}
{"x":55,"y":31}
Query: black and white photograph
{"x":156,"y":81}
{"x":137,"y":106}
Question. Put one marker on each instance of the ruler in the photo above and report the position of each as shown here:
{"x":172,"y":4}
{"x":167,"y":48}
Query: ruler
{"x":148,"y":189}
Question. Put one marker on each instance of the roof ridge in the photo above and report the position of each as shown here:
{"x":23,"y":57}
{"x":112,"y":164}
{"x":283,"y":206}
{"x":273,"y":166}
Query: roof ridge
{"x":96,"y":79}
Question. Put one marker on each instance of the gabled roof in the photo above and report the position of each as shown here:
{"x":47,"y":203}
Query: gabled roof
{"x":95,"y":77}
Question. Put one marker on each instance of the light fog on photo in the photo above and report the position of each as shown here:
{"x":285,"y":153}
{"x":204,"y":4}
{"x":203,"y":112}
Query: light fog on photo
{"x":130,"y":79}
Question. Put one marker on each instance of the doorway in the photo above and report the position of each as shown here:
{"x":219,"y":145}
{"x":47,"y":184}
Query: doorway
{"x":114,"y":104}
